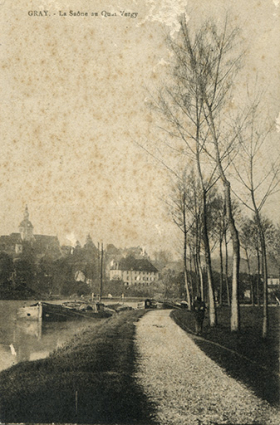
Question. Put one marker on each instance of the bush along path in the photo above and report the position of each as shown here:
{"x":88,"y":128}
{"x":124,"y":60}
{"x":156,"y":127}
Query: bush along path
{"x":186,"y":386}
{"x":89,"y":381}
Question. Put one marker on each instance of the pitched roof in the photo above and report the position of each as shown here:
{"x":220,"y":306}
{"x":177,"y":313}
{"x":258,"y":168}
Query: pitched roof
{"x":45,"y":242}
{"x":11,"y":239}
{"x":130,"y":263}
{"x":46,"y":239}
{"x":14,"y":238}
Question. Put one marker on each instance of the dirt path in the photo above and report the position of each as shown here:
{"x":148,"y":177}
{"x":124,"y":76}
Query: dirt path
{"x":187,"y":386}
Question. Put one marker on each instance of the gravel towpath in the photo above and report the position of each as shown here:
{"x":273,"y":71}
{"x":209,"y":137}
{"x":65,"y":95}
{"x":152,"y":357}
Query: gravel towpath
{"x":186,"y":386}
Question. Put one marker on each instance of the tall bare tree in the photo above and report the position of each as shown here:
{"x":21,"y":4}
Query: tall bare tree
{"x":217,"y":228}
{"x":247,"y":240}
{"x":260,"y":178}
{"x":182,"y":107}
{"x":204,"y":73}
{"x":182,"y":216}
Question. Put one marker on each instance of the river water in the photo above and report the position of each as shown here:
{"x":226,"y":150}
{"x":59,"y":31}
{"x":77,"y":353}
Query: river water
{"x":22,"y":340}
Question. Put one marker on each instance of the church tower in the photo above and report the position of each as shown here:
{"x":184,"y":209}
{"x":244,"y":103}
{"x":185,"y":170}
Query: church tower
{"x":26,"y":227}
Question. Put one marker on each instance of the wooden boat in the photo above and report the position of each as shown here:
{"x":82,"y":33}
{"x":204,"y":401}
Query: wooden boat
{"x":62,"y":312}
{"x":32,"y":312}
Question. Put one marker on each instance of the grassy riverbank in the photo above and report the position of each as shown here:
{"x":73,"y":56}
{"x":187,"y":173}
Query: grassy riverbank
{"x":88,"y":381}
{"x":246,"y":356}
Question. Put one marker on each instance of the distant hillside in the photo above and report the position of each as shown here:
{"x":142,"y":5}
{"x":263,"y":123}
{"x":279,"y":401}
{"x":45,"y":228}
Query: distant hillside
{"x":273,"y":265}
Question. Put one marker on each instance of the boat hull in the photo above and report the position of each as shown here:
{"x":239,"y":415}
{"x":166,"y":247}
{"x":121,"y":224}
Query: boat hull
{"x":29,"y":312}
{"x":57,"y":313}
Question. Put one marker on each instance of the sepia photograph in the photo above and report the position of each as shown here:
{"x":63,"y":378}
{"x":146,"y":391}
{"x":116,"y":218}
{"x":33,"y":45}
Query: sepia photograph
{"x":140,"y":212}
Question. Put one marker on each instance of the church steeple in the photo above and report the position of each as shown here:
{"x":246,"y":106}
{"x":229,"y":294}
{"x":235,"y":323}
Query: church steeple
{"x":26,"y":213}
{"x":25,"y":227}
{"x":89,"y":243}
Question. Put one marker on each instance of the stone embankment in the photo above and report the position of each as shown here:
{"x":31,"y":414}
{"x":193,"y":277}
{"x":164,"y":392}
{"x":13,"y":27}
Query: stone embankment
{"x":186,"y":386}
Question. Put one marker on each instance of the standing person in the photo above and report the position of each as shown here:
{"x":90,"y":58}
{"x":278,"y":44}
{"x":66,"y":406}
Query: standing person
{"x":199,"y":308}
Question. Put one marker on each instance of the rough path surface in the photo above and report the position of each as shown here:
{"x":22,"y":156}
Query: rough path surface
{"x":186,"y":385}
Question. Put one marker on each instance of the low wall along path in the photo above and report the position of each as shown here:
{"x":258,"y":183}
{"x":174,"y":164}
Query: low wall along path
{"x":188,"y":387}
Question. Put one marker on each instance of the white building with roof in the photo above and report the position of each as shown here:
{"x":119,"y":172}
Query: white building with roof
{"x":133,"y":271}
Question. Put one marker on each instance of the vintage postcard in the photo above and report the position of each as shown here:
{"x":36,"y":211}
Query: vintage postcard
{"x":139,"y":218}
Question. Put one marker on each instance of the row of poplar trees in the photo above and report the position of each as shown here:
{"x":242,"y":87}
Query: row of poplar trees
{"x":217,"y":139}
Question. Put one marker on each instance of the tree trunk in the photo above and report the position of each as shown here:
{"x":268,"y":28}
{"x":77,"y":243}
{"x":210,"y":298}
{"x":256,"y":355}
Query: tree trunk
{"x":221,"y":269}
{"x":235,"y":312}
{"x":187,"y":289}
{"x":250,"y":277}
{"x":211,"y":299}
{"x":252,"y":291}
{"x":201,"y":287}
{"x":186,"y":278}
{"x":191,"y":278}
{"x":265,"y":294}
{"x":198,"y":263}
{"x":258,"y":277}
{"x":226,"y":267}
{"x":185,"y":262}
{"x":264,"y":268}
{"x":207,"y":252}
{"x":197,"y":275}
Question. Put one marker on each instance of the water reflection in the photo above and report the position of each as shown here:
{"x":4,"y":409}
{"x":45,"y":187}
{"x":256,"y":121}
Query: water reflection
{"x":27,"y":338}
{"x":33,"y":328}
{"x":21,"y":340}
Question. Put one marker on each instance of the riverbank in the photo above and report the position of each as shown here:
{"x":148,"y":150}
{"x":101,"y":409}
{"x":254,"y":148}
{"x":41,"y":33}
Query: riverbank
{"x":88,"y":381}
{"x":19,"y":293}
{"x":246,"y":356}
{"x":111,"y":374}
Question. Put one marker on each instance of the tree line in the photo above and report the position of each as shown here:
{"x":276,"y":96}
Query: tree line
{"x":218,"y":141}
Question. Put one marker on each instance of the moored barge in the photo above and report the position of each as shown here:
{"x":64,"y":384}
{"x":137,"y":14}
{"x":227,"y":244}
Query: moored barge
{"x":48,"y":312}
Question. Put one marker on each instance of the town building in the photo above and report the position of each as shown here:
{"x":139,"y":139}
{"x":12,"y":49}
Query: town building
{"x":133,"y":271}
{"x":15,"y":243}
{"x":273,"y":289}
{"x":273,"y":281}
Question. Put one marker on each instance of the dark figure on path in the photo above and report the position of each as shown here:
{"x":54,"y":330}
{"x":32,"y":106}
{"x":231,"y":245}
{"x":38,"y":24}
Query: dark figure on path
{"x":199,"y":308}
